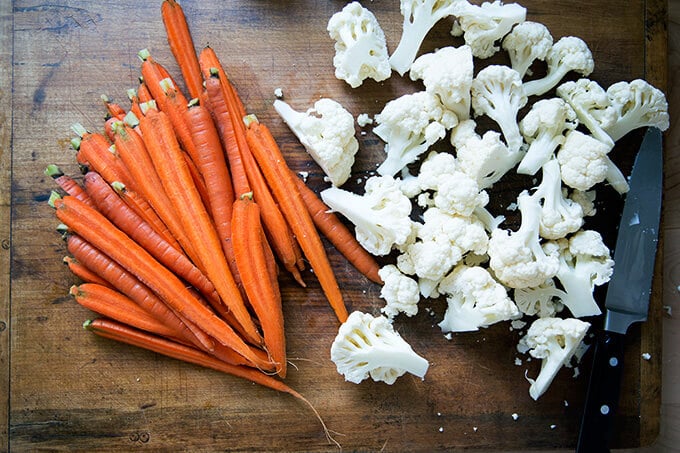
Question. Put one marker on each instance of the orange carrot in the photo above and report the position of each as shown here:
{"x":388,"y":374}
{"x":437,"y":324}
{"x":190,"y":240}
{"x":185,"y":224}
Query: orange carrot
{"x":174,"y":174}
{"x":281,"y":180}
{"x":182,"y":45}
{"x":112,"y":304}
{"x":338,"y":234}
{"x":102,"y":234}
{"x":68,"y":184}
{"x":119,"y":332}
{"x":260,"y":286}
{"x":126,"y":283}
{"x":83,"y":272}
{"x":114,"y":110}
{"x":93,"y":151}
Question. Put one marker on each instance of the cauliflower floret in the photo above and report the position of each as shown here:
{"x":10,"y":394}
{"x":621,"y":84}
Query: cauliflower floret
{"x":539,"y":300}
{"x":474,"y":300}
{"x":637,"y":104}
{"x":419,"y":17}
{"x":454,"y":191}
{"x":447,"y":73}
{"x":401,"y":292}
{"x":591,"y":104}
{"x":555,"y":341}
{"x":409,"y":125}
{"x":517,"y":258}
{"x":441,"y":242}
{"x":327,"y":133}
{"x":360,"y":46}
{"x":482,"y":25}
{"x":584,"y":162}
{"x":559,"y":215}
{"x":497,"y":93}
{"x":569,"y":53}
{"x":485,"y":158}
{"x":369,"y":346}
{"x":543,"y":128}
{"x":527,"y":42}
{"x":380,"y":215}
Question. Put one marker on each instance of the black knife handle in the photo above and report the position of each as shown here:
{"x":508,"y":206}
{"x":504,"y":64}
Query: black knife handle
{"x":602,"y":398}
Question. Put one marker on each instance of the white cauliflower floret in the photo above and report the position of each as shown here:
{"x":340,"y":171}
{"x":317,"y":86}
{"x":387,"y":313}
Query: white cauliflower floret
{"x":637,"y":104}
{"x":569,"y":53}
{"x":497,"y":93}
{"x":559,"y":214}
{"x":539,"y":300}
{"x":585,"y":262}
{"x":409,"y":125}
{"x":401,"y":292}
{"x":360,"y":46}
{"x":419,"y":18}
{"x":455,"y":192}
{"x":485,"y":158}
{"x":447,"y":73}
{"x":485,"y":24}
{"x":554,"y":341}
{"x":543,"y":128}
{"x":327,"y":133}
{"x":527,"y":42}
{"x":517,"y":258}
{"x":591,"y":104}
{"x":369,"y":346}
{"x":584,"y":162}
{"x":380,"y":215}
{"x":474,"y":300}
{"x":441,"y":242}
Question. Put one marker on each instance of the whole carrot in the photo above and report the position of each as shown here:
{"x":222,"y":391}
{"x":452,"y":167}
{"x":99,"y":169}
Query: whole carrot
{"x":281,"y":180}
{"x":83,"y":272}
{"x":260,"y":285}
{"x":166,"y":155}
{"x":96,"y":229}
{"x":68,"y":184}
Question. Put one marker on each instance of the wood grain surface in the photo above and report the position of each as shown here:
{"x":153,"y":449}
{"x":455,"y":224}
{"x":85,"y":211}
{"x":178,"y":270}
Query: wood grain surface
{"x":63,"y":389}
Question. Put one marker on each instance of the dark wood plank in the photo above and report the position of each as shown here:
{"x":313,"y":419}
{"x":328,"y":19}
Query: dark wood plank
{"x":72,"y":391}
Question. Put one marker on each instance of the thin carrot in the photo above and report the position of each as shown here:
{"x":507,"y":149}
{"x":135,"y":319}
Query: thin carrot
{"x":114,"y":110}
{"x":68,"y":184}
{"x":338,"y":234}
{"x":112,"y":304}
{"x":280,"y":178}
{"x":93,"y":151}
{"x":83,"y":272}
{"x":102,"y":234}
{"x":261,"y":287}
{"x":174,"y":174}
{"x":182,"y":45}
{"x":119,"y":332}
{"x":126,"y":283}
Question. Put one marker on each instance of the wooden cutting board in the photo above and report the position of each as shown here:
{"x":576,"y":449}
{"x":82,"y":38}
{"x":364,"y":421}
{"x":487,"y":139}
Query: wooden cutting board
{"x":64,"y":389}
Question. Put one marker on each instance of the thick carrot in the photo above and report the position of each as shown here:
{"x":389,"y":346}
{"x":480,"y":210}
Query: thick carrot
{"x":68,"y":184}
{"x":116,"y":331}
{"x":112,"y":304}
{"x":211,"y":163}
{"x":126,"y":283}
{"x":83,"y":272}
{"x":102,"y":234}
{"x":182,"y":45}
{"x":261,"y":287}
{"x":168,"y":254}
{"x":338,"y":234}
{"x":281,"y":180}
{"x":174,"y":174}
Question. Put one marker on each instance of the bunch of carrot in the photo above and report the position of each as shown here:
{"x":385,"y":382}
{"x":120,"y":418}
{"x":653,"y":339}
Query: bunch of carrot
{"x":185,"y":215}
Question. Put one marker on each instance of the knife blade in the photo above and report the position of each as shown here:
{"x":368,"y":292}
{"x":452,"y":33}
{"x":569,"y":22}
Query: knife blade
{"x":628,"y":292}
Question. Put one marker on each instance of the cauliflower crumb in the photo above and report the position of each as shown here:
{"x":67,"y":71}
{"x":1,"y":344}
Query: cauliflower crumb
{"x":515,"y":416}
{"x":363,"y":119}
{"x":278,"y":92}
{"x":668,"y":309}
{"x":474,"y":428}
{"x":553,"y":426}
{"x":448,"y":336}
{"x":441,"y":429}
{"x":518,"y":361}
{"x":304,"y":175}
{"x":518,"y":324}
{"x":566,"y":403}
{"x":646,"y":356}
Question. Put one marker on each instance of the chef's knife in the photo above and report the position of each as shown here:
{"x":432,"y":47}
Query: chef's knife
{"x":628,"y":292}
